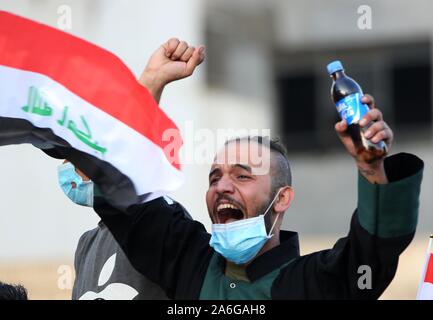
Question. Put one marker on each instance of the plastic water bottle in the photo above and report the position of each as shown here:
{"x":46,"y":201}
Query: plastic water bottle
{"x":346,"y":94}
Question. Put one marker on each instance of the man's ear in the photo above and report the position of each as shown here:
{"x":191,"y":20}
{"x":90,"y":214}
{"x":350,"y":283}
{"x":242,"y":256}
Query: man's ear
{"x":285,"y":198}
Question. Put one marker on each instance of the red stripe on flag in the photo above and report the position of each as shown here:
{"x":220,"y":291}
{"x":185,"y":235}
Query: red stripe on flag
{"x":429,"y":270}
{"x":92,"y":73}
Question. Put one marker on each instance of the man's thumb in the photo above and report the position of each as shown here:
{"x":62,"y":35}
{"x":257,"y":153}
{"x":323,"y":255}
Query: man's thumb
{"x":341,"y":126}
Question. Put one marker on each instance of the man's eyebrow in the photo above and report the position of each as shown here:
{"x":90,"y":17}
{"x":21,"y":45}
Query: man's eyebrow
{"x":213,"y":171}
{"x":237,"y":165}
{"x":242,"y":166}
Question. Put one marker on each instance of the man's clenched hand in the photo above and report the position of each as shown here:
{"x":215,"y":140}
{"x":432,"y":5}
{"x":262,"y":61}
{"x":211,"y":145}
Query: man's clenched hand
{"x":378,"y":131}
{"x":172,"y":61}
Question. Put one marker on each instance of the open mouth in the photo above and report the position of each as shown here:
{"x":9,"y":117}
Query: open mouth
{"x":228,"y":212}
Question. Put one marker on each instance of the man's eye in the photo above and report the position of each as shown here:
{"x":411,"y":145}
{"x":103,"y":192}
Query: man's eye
{"x":213,"y":180}
{"x":243,"y":177}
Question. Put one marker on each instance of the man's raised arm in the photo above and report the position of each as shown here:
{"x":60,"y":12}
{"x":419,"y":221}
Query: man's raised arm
{"x":362,"y":264}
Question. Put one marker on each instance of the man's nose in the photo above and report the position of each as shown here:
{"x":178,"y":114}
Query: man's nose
{"x":225,"y":185}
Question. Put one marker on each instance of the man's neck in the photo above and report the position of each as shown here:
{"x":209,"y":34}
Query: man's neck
{"x":236,"y":271}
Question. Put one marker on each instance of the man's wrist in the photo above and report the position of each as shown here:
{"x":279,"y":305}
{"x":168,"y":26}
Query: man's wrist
{"x":374,"y":173}
{"x":153,"y":83}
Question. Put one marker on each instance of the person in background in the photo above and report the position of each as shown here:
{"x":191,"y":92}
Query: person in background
{"x":12,"y":292}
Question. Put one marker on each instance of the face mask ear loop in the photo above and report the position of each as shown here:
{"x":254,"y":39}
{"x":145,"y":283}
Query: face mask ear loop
{"x":272,"y":202}
{"x":273,"y":225}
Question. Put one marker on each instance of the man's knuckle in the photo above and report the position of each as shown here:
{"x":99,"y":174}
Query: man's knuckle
{"x":173,"y":41}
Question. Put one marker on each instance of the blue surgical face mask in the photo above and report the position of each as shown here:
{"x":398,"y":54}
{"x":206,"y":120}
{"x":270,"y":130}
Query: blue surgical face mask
{"x":241,"y":240}
{"x":82,"y":194}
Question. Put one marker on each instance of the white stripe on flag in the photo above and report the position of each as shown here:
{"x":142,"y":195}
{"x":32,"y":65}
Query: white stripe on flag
{"x":425,"y":291}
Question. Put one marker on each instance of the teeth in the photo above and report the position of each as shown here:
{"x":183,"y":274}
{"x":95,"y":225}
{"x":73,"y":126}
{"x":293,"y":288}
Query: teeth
{"x":226,"y":206}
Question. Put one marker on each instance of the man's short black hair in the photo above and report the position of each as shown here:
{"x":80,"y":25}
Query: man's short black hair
{"x":281,"y":174}
{"x":12,"y":292}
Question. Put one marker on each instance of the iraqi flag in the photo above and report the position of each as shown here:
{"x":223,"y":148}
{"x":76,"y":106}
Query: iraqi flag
{"x":425,"y":290}
{"x":79,"y":102}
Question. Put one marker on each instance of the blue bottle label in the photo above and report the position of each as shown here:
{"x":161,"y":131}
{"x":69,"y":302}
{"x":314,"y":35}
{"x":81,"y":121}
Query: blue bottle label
{"x":351,"y":108}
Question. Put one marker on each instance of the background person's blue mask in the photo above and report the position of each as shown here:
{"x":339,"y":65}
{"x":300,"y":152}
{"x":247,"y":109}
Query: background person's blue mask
{"x":241,"y":240}
{"x":82,"y":194}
